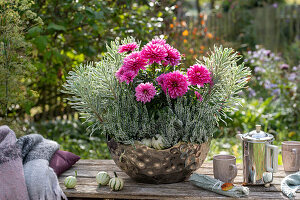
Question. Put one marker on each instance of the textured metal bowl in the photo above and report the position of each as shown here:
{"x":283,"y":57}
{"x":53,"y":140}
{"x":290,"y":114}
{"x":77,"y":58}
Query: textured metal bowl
{"x":149,"y":165}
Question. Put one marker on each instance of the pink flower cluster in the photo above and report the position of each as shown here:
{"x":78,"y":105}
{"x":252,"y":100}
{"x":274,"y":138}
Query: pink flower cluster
{"x":174,"y":83}
{"x":145,"y":92}
{"x":128,"y":47}
{"x":198,"y":75}
{"x":126,"y":76}
{"x":158,"y":51}
{"x":132,"y":63}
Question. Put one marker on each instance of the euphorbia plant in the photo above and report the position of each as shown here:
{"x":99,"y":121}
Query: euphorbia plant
{"x":136,"y":93}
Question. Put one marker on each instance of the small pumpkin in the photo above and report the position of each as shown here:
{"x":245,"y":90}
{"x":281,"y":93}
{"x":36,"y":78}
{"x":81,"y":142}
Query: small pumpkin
{"x":147,"y":142}
{"x":102,"y":178}
{"x":158,"y":142}
{"x":116,"y":183}
{"x":71,"y":181}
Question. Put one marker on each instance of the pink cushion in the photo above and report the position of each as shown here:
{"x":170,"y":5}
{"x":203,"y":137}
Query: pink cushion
{"x":62,"y":161}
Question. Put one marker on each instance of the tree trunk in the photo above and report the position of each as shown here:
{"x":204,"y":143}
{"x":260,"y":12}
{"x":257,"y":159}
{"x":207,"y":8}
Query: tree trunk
{"x":198,"y":6}
{"x":212,"y":4}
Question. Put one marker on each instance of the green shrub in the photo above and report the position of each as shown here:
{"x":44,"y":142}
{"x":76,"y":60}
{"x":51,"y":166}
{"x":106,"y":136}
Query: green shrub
{"x":16,"y":18}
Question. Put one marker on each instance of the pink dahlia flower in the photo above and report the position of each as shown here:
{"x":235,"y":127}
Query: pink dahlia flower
{"x":176,"y":83}
{"x":199,"y":96}
{"x":128,"y":47}
{"x":198,"y":75}
{"x":158,"y":41}
{"x":120,"y":73}
{"x":144,"y":92}
{"x":128,"y":76}
{"x":173,"y":58}
{"x":154,"y":53}
{"x":134,"y":62}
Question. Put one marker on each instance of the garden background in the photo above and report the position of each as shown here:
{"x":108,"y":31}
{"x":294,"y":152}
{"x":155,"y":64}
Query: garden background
{"x":41,"y":41}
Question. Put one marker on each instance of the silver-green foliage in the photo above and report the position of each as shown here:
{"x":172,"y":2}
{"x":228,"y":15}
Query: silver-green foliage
{"x":112,"y":107}
{"x":93,"y":86}
{"x":229,"y":78}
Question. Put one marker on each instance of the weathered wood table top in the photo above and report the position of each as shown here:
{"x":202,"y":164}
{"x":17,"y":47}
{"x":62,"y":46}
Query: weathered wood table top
{"x":87,"y":186}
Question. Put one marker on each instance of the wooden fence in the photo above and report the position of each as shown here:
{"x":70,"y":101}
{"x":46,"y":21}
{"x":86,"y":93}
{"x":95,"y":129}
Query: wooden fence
{"x":273,"y":27}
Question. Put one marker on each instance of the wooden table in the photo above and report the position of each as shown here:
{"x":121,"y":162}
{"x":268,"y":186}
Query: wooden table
{"x":87,"y":186}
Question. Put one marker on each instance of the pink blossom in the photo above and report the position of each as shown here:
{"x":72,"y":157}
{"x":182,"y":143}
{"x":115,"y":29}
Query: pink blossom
{"x":158,"y":41}
{"x":145,"y":92}
{"x":198,"y":96}
{"x":173,"y":58}
{"x":176,"y":83}
{"x":128,"y":47}
{"x":198,"y":75}
{"x":119,"y":73}
{"x":160,"y":81}
{"x":128,"y":76}
{"x":134,"y":62}
{"x":154,"y":53}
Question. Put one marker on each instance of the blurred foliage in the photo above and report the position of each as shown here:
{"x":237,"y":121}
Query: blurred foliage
{"x":272,"y":76}
{"x":15,"y":19}
{"x":230,"y":146}
{"x":272,"y":98}
{"x":254,"y":112}
{"x":292,"y":53}
{"x":192,"y":38}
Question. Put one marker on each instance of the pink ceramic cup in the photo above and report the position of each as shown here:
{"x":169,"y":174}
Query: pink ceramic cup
{"x":291,"y":156}
{"x":225,"y":168}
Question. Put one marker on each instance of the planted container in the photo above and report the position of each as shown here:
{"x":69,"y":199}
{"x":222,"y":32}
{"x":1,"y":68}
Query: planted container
{"x":158,"y":114}
{"x":149,"y":165}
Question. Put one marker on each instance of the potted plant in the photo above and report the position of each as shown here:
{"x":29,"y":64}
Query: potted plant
{"x":158,"y":115}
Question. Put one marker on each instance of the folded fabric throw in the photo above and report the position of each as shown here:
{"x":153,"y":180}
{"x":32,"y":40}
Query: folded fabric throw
{"x":214,"y":185}
{"x":290,"y":185}
{"x":41,"y":181}
{"x":12,"y":181}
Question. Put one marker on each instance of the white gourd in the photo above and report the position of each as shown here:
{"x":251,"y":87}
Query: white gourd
{"x":102,"y":178}
{"x":147,"y":142}
{"x":267,"y":176}
{"x":71,"y":181}
{"x":157,"y":142}
{"x":116,"y":183}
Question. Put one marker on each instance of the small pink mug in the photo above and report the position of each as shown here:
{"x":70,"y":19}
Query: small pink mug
{"x":225,"y":168}
{"x":291,"y":156}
